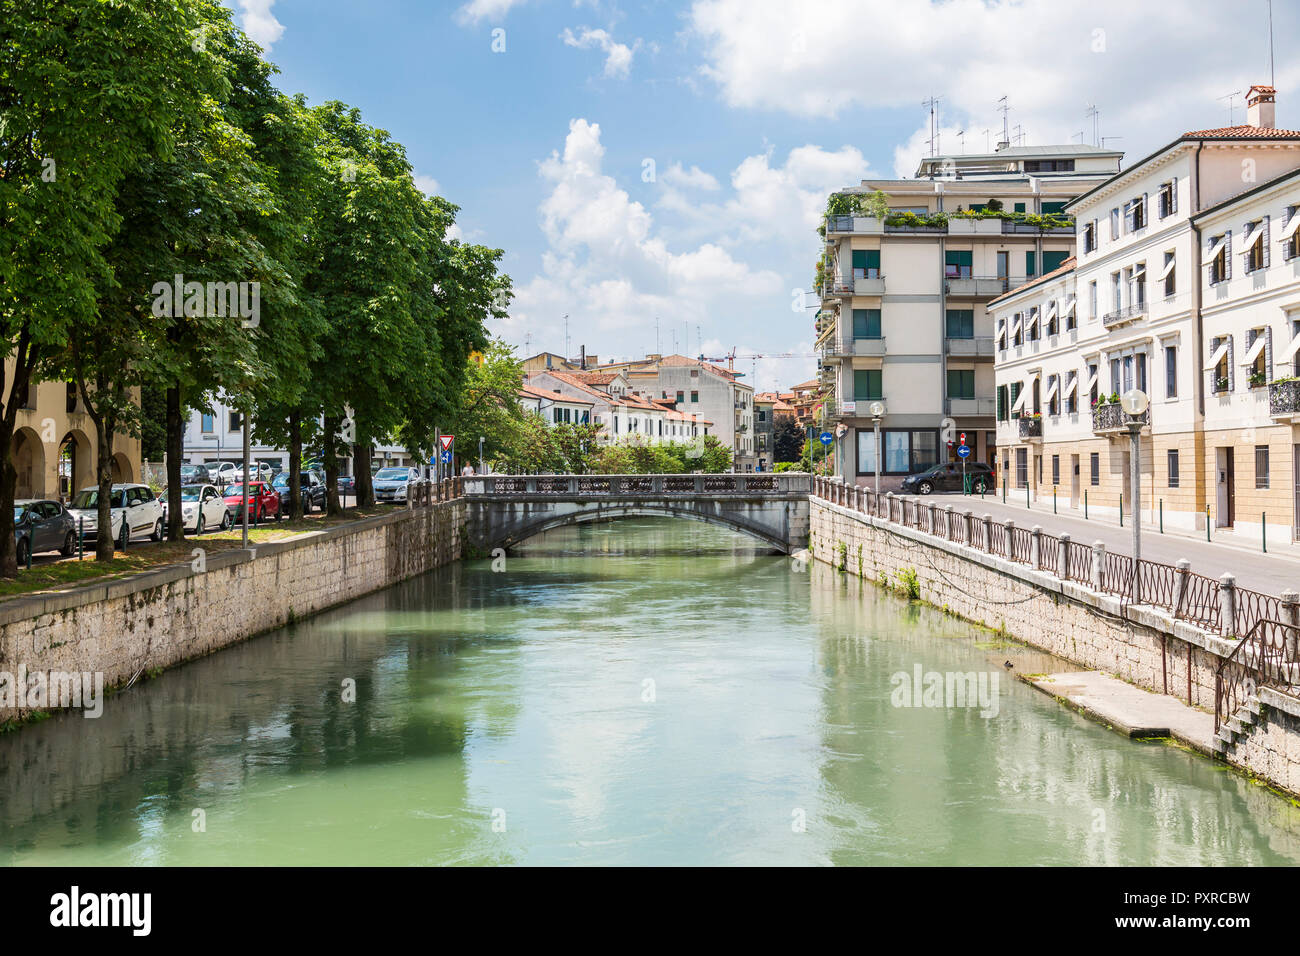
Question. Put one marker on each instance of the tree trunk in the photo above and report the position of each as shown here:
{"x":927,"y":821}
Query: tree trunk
{"x":175,"y":452}
{"x":8,"y":485}
{"x":330,"y":427}
{"x":295,"y":464}
{"x":104,"y":472}
{"x":365,"y":488}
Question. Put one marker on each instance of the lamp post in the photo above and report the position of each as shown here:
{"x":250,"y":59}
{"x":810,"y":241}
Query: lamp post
{"x":481,"y":440}
{"x":877,"y":409}
{"x":1134,"y":402}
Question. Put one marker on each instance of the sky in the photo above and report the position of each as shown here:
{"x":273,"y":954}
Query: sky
{"x":646,"y":163}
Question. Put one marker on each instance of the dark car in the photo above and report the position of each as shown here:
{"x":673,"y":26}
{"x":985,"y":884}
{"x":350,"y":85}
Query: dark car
{"x":311,"y":486}
{"x":949,"y":476}
{"x":347,"y":485}
{"x":196,"y":475}
{"x":43,"y":526}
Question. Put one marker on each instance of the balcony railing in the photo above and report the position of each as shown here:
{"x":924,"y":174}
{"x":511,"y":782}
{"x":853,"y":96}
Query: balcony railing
{"x":971,"y":406}
{"x":854,"y":225}
{"x":1111,"y":418}
{"x":1126,"y":314}
{"x":980,"y":285}
{"x":1010,"y":228}
{"x":853,"y":285}
{"x":1284,"y":399}
{"x":981,"y":345}
{"x":837,"y":351}
{"x":1030,"y":427}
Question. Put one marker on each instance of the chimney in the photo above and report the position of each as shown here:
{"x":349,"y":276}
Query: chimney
{"x":1260,"y":107}
{"x":584,"y":357}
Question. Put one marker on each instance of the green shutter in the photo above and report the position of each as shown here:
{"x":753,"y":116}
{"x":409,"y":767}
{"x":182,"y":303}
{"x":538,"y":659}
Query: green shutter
{"x":1050,"y":208}
{"x":1020,"y":207}
{"x":1015,"y":393}
{"x":866,"y":323}
{"x":961,"y":383}
{"x":859,"y":258}
{"x":960,"y":323}
{"x":866,"y":384}
{"x":959,"y":257}
{"x":1002,"y":403}
{"x":1053,"y":260}
{"x":873,"y":258}
{"x":1029,"y":264}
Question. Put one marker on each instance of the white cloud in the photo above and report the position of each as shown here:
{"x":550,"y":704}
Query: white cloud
{"x":693,"y":178}
{"x":1052,"y":59}
{"x":618,"y":56}
{"x":476,"y":10}
{"x":259,"y":23}
{"x":427,"y":185}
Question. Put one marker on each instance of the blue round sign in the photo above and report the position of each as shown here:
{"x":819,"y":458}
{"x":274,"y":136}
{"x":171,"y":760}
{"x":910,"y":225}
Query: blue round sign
{"x":963,"y":451}
{"x":826,"y":438}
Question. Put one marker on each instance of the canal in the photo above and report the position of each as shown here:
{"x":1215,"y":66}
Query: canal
{"x":644,"y":692}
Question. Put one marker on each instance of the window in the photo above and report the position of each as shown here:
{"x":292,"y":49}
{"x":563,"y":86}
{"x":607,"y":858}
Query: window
{"x":1255,"y":256}
{"x":866,"y":323}
{"x":866,"y":384}
{"x":1002,"y":405}
{"x":1114,"y":224}
{"x":1135,"y":213}
{"x":1291,"y":248}
{"x":897,"y":448}
{"x":1056,"y":469}
{"x":1173,"y":468}
{"x":1171,"y":371}
{"x":1117,"y":291}
{"x":207,"y":424}
{"x":1019,"y":207}
{"x":866,"y":263}
{"x":1258,"y":369}
{"x":695,"y":396}
{"x":1092,"y":376}
{"x":1054,"y":389}
{"x":1056,"y":208}
{"x":1221,"y":373}
{"x":961,"y":383}
{"x":1169,"y":275}
{"x":1029,"y":264}
{"x":1052,"y":260}
{"x":1167,"y":201}
{"x":1095,"y":464}
{"x":1018,"y":325}
{"x":681,"y":396}
{"x":1015,"y":394}
{"x":1049,"y":166}
{"x":904,"y":452}
{"x":1221,"y":258}
{"x":957,"y":263}
{"x":866,"y":451}
{"x":1092,"y":299}
{"x":1261,"y":466}
{"x":1022,"y":467}
{"x":1071,"y":392}
{"x":1090,"y":237}
{"x":236,"y":421}
{"x":961,"y":323}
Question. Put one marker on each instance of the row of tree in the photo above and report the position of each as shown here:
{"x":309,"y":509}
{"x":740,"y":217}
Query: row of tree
{"x":172,"y":222}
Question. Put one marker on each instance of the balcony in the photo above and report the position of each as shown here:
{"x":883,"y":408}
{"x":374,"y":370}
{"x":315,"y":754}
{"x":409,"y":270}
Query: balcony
{"x":980,"y":347}
{"x":1284,"y":400}
{"x":1127,"y":314}
{"x":1010,"y":228}
{"x":836,"y":352}
{"x":853,"y":226}
{"x":1031,"y":429}
{"x":1111,"y":419}
{"x":979,"y":286}
{"x":971,"y":407}
{"x":853,"y":285}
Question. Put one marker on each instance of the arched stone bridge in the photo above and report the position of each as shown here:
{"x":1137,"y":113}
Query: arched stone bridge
{"x":504,"y":510}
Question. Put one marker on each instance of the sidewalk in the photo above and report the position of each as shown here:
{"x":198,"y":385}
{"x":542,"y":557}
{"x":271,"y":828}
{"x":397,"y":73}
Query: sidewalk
{"x":1271,"y":573}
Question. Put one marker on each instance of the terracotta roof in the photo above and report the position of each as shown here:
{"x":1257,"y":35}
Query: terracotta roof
{"x":1066,"y":266}
{"x":552,"y":396}
{"x":570,"y":379}
{"x":1243,"y":132}
{"x":596,"y":378}
{"x":680,"y":360}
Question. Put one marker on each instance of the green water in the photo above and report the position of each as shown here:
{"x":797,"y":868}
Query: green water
{"x":648,"y":691}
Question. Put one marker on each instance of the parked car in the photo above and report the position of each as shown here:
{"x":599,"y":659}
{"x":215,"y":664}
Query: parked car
{"x":261,"y":470}
{"x":391,"y":483}
{"x":948,"y":477}
{"x":202,"y":507}
{"x":134,"y":511}
{"x":221,"y":473}
{"x":312,"y":488}
{"x":195,"y":475}
{"x":41,"y":525}
{"x":347,"y":484}
{"x":263,"y":500}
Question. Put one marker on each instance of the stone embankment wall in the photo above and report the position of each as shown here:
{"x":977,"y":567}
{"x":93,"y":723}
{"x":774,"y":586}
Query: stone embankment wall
{"x":1143,"y":645}
{"x":159,"y":618}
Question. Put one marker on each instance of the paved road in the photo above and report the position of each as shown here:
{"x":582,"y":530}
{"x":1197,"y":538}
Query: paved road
{"x":1271,"y":573}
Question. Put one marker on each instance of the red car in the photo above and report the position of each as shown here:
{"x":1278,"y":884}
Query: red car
{"x":263,"y":501}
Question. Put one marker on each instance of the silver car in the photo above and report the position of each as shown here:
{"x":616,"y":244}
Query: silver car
{"x":390,"y":484}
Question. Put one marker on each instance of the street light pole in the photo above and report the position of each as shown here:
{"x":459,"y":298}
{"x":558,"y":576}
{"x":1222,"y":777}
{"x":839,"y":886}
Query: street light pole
{"x":247,"y":476}
{"x":1134,"y":402}
{"x":877,"y":409}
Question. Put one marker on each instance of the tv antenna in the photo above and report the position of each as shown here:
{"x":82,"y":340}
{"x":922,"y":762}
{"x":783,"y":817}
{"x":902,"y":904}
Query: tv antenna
{"x":1094,"y":114}
{"x":566,"y":336}
{"x":1230,"y":97}
{"x":932,"y":102}
{"x":961,"y":139}
{"x":1005,"y":107}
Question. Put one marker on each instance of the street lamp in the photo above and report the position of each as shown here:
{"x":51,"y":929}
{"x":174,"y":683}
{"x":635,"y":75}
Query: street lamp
{"x":1135,"y":402}
{"x":877,"y":409}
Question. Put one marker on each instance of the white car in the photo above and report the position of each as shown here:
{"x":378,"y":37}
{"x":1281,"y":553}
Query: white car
{"x":260,"y":469}
{"x":135,"y":512}
{"x":222,"y":472}
{"x":203,"y":508}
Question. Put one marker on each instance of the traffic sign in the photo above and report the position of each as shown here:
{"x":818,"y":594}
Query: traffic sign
{"x":446,"y":441}
{"x":446,"y":458}
{"x":963,"y":438}
{"x":826,"y":438}
{"x":963,"y":451}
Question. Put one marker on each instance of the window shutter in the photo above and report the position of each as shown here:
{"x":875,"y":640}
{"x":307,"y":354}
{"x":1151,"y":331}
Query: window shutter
{"x":1245,"y":253}
{"x":1268,"y":348}
{"x":1129,"y":208}
{"x":1227,"y":261}
{"x":1146,"y":210}
{"x":1173,"y":194}
{"x":1232,"y":371}
{"x":1267,"y":255}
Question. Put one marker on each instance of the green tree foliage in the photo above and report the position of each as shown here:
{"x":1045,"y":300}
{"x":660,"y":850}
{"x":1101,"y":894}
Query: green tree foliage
{"x":788,"y":438}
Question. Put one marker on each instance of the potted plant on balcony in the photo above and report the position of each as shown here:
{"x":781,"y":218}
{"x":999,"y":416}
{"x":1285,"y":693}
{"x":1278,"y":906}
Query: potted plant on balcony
{"x":1221,"y":384}
{"x":1258,"y":379}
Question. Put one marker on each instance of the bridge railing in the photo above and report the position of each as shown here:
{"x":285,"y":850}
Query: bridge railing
{"x":750,"y":484}
{"x":425,"y":492}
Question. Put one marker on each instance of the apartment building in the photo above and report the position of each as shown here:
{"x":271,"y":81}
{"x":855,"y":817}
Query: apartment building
{"x":55,"y":451}
{"x":903,"y":320}
{"x":607,"y":399}
{"x":555,"y":408}
{"x":1182,"y":288}
{"x":697,"y":387}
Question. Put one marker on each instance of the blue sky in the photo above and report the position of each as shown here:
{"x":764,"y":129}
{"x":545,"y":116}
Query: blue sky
{"x":643,"y":160}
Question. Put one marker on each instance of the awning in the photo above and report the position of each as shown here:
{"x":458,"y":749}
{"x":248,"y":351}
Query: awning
{"x":1002,"y":325}
{"x":1069,"y":309}
{"x":1139,"y":273}
{"x":1291,"y":227}
{"x":1218,"y":356}
{"x":1252,"y":353}
{"x":1023,"y":396}
{"x":1214,"y":249}
{"x":1071,"y":385}
{"x":1032,"y":321}
{"x":1256,"y":234}
{"x":1293,"y":346}
{"x":1015,"y":327}
{"x":1051,"y":311}
{"x":1169,"y":267}
{"x":1092,"y":381}
{"x":1051,"y":389}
